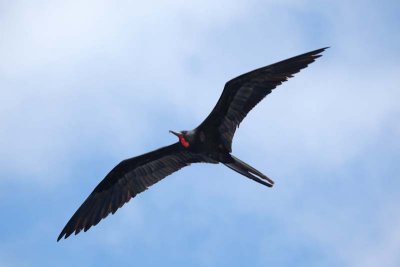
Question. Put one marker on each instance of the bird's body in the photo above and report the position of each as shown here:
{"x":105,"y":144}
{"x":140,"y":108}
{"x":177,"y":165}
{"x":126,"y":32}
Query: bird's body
{"x":210,"y":142}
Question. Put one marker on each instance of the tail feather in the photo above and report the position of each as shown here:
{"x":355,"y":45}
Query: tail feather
{"x":248,"y":171}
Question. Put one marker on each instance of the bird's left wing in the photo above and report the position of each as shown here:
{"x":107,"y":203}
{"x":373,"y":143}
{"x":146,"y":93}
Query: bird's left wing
{"x":244,"y":92}
{"x":126,"y":180}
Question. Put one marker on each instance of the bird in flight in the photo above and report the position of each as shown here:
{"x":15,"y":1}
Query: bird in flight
{"x":210,"y":142}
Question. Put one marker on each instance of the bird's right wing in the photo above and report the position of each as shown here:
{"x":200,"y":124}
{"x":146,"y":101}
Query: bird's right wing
{"x":244,"y":92}
{"x":126,"y":180}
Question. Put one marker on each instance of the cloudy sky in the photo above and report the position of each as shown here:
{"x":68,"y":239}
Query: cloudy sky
{"x":85,"y":84}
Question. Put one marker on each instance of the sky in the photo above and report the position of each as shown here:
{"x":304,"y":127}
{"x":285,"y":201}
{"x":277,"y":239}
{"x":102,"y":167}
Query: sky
{"x":86,"y":84}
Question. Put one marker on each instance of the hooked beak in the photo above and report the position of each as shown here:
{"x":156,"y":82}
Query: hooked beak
{"x":175,"y":133}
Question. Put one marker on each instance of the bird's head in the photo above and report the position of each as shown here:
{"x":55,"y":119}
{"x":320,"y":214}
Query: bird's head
{"x":183,"y":138}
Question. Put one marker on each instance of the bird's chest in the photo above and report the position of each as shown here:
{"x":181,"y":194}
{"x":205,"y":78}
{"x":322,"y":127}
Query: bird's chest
{"x":208,"y":145}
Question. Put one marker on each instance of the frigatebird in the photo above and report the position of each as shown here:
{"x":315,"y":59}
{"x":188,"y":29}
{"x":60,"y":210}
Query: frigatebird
{"x":210,"y":142}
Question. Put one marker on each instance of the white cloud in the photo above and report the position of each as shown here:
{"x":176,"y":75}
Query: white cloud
{"x":66,"y":66}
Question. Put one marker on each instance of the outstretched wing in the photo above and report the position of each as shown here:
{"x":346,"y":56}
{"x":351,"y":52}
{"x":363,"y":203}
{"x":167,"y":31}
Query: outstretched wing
{"x":126,"y":180}
{"x":244,"y":92}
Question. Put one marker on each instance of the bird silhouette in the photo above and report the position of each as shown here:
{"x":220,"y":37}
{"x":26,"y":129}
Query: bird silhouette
{"x":210,"y":142}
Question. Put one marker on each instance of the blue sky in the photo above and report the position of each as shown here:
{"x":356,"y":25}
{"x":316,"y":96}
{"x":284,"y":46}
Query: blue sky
{"x":85,"y":84}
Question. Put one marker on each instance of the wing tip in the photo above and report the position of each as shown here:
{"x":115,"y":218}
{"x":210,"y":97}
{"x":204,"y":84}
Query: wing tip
{"x":317,"y":53}
{"x":66,"y":232}
{"x":61,"y":236}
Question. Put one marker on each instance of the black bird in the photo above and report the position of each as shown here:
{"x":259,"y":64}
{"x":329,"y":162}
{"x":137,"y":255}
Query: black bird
{"x":210,"y":142}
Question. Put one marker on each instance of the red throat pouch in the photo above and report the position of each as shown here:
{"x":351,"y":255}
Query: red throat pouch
{"x":183,"y":141}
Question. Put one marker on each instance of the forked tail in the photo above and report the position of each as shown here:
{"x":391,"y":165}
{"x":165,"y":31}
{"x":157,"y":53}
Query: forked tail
{"x":248,"y":171}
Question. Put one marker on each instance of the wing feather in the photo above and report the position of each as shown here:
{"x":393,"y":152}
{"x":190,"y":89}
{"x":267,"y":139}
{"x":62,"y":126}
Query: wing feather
{"x":243,"y":93}
{"x":125,"y":181}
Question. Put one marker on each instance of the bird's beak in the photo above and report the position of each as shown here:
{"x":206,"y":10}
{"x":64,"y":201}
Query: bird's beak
{"x":175,"y":133}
